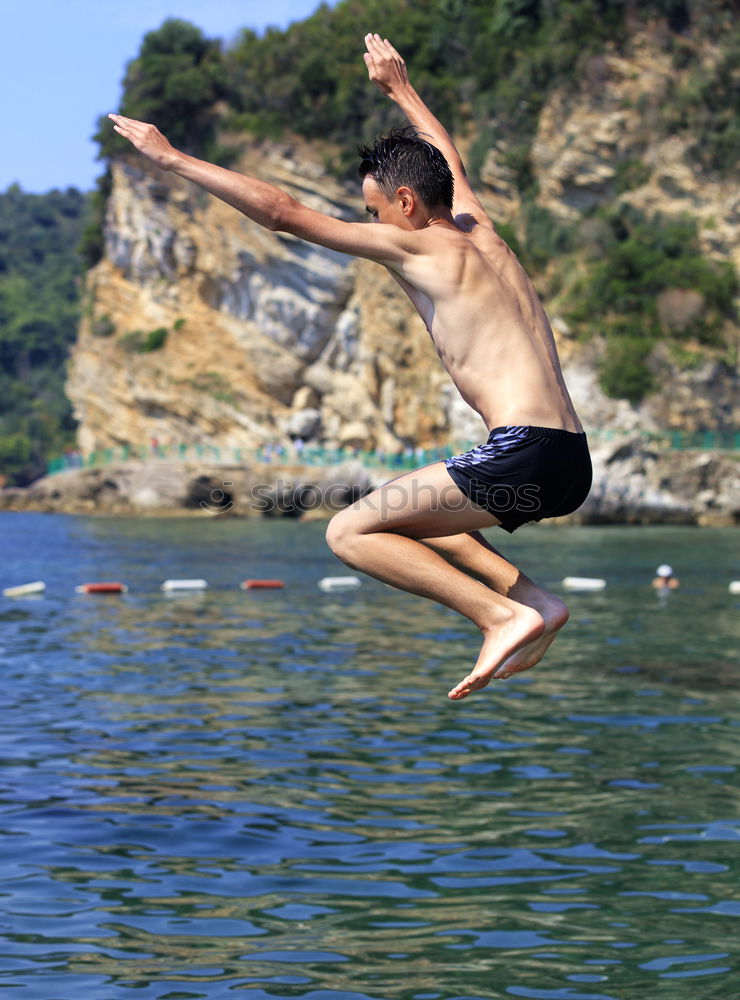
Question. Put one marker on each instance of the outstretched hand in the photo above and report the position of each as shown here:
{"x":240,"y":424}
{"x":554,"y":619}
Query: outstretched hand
{"x":147,"y":139}
{"x":385,"y":67}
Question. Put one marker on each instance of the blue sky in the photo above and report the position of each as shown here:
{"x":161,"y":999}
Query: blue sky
{"x":61,"y":65}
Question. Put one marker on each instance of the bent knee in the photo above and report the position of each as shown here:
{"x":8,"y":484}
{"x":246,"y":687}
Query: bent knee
{"x":340,"y":534}
{"x":561,"y":614}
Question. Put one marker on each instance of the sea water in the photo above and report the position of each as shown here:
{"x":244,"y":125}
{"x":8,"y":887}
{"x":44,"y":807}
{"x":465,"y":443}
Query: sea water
{"x":267,"y":794}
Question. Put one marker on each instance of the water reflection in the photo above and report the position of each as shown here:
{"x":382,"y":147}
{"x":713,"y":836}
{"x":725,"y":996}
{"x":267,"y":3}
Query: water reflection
{"x":270,"y":792}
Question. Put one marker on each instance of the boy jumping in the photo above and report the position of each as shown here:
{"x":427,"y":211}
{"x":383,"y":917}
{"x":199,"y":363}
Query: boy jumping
{"x":421,"y":532}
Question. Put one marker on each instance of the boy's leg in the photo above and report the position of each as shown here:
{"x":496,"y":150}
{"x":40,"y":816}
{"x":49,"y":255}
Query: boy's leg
{"x":473,"y":554}
{"x":381,"y":535}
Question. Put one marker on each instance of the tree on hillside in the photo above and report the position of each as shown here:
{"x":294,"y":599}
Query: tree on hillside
{"x":176,"y":81}
{"x":39,"y":313}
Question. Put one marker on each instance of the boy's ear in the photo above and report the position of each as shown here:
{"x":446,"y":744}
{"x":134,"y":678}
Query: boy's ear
{"x":407,"y":198}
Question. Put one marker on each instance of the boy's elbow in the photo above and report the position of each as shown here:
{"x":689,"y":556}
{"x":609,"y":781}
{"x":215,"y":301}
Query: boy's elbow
{"x":281,"y":218}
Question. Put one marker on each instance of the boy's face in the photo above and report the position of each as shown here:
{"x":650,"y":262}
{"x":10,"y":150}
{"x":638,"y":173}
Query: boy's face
{"x":380,"y":208}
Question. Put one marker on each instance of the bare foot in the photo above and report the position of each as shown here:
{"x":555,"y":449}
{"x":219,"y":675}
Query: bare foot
{"x":555,"y":615}
{"x":500,"y":643}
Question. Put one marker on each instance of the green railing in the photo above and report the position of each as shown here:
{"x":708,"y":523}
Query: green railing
{"x":411,"y":458}
{"x":277,"y":455}
{"x":727,"y":440}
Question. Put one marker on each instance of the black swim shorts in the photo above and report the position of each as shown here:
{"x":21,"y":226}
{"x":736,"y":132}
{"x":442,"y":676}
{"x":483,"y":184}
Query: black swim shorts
{"x":525,"y":473}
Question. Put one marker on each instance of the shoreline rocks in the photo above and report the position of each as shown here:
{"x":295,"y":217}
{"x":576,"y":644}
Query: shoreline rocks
{"x":634,"y":483}
{"x":159,"y":488}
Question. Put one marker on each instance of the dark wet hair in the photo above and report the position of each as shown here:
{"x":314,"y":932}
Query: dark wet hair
{"x":403,"y":158}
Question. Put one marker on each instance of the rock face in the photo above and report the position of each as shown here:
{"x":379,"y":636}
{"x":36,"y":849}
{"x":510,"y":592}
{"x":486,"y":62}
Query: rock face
{"x":161,"y":487}
{"x":267,"y":337}
{"x":585,"y":141}
{"x":637,"y":483}
{"x":634,"y":483}
{"x":201,"y":328}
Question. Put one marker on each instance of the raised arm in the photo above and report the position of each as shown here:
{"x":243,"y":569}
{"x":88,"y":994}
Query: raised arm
{"x":387,"y":70}
{"x":266,"y":204}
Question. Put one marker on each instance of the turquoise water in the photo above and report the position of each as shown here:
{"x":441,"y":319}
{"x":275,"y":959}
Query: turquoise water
{"x":268,"y":794}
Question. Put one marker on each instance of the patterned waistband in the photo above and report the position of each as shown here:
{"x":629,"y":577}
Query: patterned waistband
{"x":524,"y":430}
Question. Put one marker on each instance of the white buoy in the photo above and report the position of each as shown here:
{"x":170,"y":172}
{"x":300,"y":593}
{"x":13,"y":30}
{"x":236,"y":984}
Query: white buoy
{"x":37,"y":587}
{"x":170,"y":585}
{"x":339,"y":582}
{"x":734,"y":587}
{"x":583,"y":583}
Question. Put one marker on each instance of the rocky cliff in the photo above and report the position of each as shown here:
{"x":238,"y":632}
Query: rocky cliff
{"x":199,"y":327}
{"x":267,"y":337}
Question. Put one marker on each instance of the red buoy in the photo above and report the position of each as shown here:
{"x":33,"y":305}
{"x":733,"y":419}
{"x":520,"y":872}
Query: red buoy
{"x":102,"y":588}
{"x":262,"y":584}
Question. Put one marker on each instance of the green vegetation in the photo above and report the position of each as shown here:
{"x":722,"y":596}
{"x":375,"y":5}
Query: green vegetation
{"x":631,"y":174}
{"x":470,"y":58}
{"x":624,"y":372}
{"x":91,"y":241}
{"x":486,"y":67}
{"x":544,"y":237}
{"x":103,"y":326}
{"x":643,"y":261}
{"x":154,"y":340}
{"x":143,"y":343}
{"x":216,"y":385}
{"x":137,"y":341}
{"x":175,"y":81}
{"x":487,"y":64}
{"x":706,"y":106}
{"x":39,"y":312}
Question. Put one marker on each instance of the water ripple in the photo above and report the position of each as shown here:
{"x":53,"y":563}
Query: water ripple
{"x":270,"y":793}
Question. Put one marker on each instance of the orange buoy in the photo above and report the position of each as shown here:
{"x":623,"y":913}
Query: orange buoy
{"x":262,"y":585}
{"x":102,"y":588}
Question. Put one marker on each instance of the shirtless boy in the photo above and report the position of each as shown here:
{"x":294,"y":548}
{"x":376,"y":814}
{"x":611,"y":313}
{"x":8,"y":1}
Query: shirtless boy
{"x":421,"y":532}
